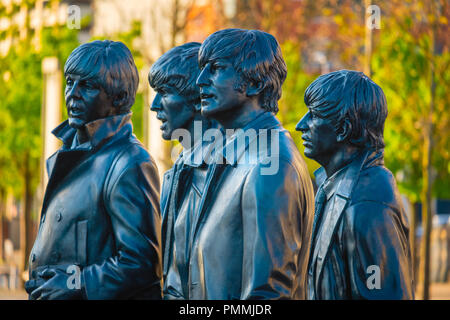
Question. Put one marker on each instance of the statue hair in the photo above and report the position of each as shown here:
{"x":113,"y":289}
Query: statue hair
{"x":352,"y":96}
{"x":178,"y":68}
{"x":255,"y":55}
{"x":110,"y":64}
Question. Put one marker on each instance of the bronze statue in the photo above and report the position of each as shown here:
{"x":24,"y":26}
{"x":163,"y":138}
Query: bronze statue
{"x":360,"y":247}
{"x":249,"y":236}
{"x":177,"y":105}
{"x":99,"y":234}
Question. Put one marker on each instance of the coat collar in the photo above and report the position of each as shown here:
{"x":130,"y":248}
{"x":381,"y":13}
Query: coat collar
{"x":264,"y":121}
{"x":98,"y":131}
{"x":330,"y":184}
{"x":232,"y":151}
{"x":195,"y":156}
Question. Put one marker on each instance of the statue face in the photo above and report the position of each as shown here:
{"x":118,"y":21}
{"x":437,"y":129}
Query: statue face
{"x":86,"y":101}
{"x":319,"y":136}
{"x":218,"y":82}
{"x":173,"y":109}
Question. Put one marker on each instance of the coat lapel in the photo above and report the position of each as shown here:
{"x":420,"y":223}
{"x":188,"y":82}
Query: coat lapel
{"x":165,"y":193}
{"x":59,"y":165}
{"x":222,"y":161}
{"x":51,"y":164}
{"x":167,"y":224}
{"x":213,"y":175}
{"x":101,"y":132}
{"x":343,"y":195}
{"x":171,"y":185}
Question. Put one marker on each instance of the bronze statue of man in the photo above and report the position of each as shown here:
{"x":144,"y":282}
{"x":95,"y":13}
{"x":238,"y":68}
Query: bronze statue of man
{"x":360,"y":247}
{"x":177,"y":105}
{"x":99,"y":234}
{"x":249,"y":236}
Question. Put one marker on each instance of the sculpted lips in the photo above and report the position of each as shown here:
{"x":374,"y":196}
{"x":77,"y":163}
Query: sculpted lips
{"x":74,"y":110}
{"x":306,"y":140}
{"x":205,"y":95}
{"x":163,"y":120}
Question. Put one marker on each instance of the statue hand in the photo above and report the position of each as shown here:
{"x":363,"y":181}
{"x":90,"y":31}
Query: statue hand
{"x":54,"y":284}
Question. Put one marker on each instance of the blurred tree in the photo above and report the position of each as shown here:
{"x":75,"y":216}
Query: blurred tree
{"x":206,"y":17}
{"x":410,"y":62}
{"x":297,"y":26}
{"x":20,"y":109}
{"x":8,"y":171}
{"x":129,"y":37}
{"x":291,"y":105}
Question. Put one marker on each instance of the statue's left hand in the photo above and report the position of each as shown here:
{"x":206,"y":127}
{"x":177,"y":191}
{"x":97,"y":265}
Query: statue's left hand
{"x":55,"y":286}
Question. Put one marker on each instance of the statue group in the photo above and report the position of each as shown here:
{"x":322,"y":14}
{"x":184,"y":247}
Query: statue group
{"x":236,"y":216}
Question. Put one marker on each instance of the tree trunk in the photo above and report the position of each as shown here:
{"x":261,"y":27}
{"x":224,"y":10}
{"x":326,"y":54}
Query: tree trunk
{"x":175,"y":14}
{"x":426,"y":219}
{"x":26,"y":227}
{"x":368,"y":41}
{"x":412,"y":239}
{"x":2,"y":214}
{"x":28,"y":211}
{"x":427,"y":171}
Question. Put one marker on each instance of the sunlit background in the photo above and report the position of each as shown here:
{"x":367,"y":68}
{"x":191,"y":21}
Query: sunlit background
{"x":401,"y":45}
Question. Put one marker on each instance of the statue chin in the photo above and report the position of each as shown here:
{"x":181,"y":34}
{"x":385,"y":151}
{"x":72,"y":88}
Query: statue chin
{"x":76,"y":123}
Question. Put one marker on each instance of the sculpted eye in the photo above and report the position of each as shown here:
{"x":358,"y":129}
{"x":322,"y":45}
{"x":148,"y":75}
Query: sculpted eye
{"x":216,"y":66}
{"x":89,"y":84}
{"x":313,"y":115}
{"x":69,"y":82}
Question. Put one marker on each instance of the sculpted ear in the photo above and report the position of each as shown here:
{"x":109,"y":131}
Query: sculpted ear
{"x":344,"y":131}
{"x":254,"y":88}
{"x":120,"y":100}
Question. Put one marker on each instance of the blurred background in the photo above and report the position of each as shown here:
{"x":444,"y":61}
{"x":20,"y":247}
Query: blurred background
{"x":401,"y":45}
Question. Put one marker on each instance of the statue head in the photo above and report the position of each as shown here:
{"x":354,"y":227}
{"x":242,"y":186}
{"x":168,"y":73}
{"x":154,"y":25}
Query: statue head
{"x":101,"y":81}
{"x":346,"y":108}
{"x":238,"y":65}
{"x":173,"y":77}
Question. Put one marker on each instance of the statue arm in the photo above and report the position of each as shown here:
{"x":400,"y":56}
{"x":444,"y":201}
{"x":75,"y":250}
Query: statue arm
{"x":271,"y":233}
{"x":133,"y":205}
{"x":378,"y":252}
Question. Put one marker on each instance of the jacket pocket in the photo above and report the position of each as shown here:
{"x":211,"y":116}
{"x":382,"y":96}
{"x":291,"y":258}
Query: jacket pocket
{"x":82,"y":242}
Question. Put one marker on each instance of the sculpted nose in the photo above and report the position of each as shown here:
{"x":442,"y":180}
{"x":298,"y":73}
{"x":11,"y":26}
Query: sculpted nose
{"x":203,"y":78}
{"x":302,"y":125}
{"x":72,"y":91}
{"x":156,"y":104}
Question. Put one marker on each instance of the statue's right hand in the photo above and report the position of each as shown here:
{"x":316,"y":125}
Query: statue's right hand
{"x":36,"y":279}
{"x":33,"y":284}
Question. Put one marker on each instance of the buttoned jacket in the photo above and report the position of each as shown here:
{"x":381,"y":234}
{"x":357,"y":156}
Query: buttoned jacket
{"x":101,"y":212}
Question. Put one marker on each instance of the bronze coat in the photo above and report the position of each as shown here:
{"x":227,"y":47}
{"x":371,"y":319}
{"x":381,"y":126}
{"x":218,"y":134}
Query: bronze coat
{"x":252,"y":232}
{"x":367,"y":226}
{"x":101,"y":212}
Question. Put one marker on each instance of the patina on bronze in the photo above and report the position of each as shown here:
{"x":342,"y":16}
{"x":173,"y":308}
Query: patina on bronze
{"x":177,"y":105}
{"x":360,"y":247}
{"x":250,"y":235}
{"x":99,"y":234}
